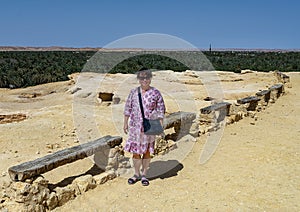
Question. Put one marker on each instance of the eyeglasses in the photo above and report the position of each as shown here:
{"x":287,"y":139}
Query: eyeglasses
{"x":144,"y":78}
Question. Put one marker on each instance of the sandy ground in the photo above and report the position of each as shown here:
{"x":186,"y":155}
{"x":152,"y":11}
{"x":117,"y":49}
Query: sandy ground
{"x":255,"y":167}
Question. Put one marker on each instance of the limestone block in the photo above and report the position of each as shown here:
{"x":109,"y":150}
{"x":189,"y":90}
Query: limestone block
{"x":273,"y":96}
{"x":52,"y":201}
{"x":207,"y":118}
{"x":64,"y":194}
{"x":264,"y":96}
{"x":281,"y":77}
{"x":113,"y":162}
{"x":40,"y":193}
{"x":84,"y":183}
{"x":171,"y":144}
{"x":194,"y":130}
{"x":162,"y":146}
{"x":210,"y":129}
{"x":203,"y":129}
{"x":276,"y":91}
{"x":108,"y":168}
{"x":111,"y":174}
{"x":30,"y":194}
{"x":33,"y":207}
{"x":113,"y":152}
{"x":230,"y":120}
{"x":41,"y":181}
{"x":252,"y":114}
{"x":235,"y":117}
{"x":22,"y":192}
{"x":101,"y":178}
{"x":236,"y":108}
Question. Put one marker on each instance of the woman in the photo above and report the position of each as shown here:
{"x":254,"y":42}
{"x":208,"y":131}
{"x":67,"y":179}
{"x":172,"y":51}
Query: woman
{"x":139,"y":144}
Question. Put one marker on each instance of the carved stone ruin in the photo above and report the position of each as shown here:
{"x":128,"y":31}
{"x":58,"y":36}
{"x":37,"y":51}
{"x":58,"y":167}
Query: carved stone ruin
{"x":250,"y":102}
{"x":39,"y":166}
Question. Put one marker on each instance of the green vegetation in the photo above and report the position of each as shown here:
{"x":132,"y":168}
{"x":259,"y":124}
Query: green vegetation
{"x":28,"y":68}
{"x":22,"y":68}
{"x":152,"y":61}
{"x":258,"y":61}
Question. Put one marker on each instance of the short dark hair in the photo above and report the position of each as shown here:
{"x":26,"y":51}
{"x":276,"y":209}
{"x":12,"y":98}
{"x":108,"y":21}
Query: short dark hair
{"x":144,"y":71}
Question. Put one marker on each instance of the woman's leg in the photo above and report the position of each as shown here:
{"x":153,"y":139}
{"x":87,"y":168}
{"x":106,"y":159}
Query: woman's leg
{"x":145,"y":166}
{"x":145,"y":162}
{"x":137,"y":162}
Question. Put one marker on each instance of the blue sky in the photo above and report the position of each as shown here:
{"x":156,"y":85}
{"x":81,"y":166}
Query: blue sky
{"x":267,"y":24}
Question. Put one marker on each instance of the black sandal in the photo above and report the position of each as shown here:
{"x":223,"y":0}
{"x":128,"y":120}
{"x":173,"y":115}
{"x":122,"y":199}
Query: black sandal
{"x":133,"y":179}
{"x":145,"y":181}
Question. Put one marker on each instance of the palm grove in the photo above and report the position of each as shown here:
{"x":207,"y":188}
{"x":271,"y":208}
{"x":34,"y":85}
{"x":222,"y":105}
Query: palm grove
{"x":28,"y":68}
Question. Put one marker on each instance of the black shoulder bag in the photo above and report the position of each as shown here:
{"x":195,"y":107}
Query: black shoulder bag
{"x":151,"y":126}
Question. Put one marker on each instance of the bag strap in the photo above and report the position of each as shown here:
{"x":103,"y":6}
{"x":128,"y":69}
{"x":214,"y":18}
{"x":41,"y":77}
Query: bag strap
{"x":141,"y":102}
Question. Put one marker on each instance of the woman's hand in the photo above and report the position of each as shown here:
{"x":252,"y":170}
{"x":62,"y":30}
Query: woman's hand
{"x":161,"y":122}
{"x":162,"y":135}
{"x":125,"y":127}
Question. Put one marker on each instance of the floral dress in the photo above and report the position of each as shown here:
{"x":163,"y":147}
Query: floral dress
{"x":154,"y":107}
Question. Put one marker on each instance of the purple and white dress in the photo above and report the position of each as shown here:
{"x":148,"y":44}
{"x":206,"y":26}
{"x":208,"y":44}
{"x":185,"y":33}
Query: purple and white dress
{"x":154,"y":107}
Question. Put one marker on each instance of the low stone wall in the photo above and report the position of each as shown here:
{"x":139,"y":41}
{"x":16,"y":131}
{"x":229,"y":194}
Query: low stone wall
{"x":36,"y":195}
{"x":281,"y":77}
{"x":211,"y":116}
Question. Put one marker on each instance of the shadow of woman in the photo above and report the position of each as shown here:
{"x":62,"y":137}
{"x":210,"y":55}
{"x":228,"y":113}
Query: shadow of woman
{"x":164,"y":169}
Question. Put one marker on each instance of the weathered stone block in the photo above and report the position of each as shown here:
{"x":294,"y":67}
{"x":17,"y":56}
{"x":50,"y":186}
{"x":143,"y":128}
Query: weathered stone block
{"x":264,"y":96}
{"x":64,"y":194}
{"x":250,"y":102}
{"x":222,"y":106}
{"x":276,"y":91}
{"x":84,"y":183}
{"x":33,"y":168}
{"x":52,"y":201}
{"x":101,"y":178}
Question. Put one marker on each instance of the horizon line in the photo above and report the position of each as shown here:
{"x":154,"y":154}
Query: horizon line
{"x":61,"y":48}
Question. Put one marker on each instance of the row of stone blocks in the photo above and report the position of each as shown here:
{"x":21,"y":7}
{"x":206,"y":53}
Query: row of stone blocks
{"x":212,"y":116}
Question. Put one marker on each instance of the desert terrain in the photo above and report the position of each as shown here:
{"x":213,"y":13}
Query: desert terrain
{"x":255,"y":167}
